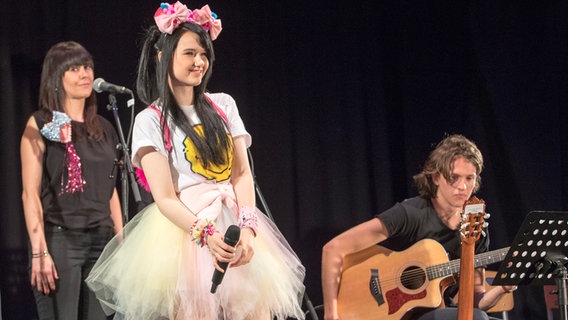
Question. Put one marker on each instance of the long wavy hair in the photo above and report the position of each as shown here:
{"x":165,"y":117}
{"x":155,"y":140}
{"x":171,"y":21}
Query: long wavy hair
{"x":58,"y":59}
{"x":152,"y":85}
{"x":441,"y":161}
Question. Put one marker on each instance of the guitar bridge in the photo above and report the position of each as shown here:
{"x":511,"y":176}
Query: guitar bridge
{"x":375,"y":287}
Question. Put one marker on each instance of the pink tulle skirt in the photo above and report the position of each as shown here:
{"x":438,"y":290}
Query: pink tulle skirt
{"x":153,"y":270}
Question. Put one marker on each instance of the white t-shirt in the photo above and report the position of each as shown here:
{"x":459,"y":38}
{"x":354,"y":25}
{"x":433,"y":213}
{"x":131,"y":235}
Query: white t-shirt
{"x":185,"y":170}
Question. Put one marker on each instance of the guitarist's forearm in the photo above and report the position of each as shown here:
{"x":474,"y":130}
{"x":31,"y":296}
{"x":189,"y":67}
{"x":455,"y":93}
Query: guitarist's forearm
{"x":341,"y":254}
{"x":330,"y":289}
{"x":491,"y":297}
{"x":330,"y":311}
{"x":331,"y":273}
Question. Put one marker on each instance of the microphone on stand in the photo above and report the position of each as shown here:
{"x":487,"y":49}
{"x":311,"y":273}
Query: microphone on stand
{"x":232,"y":236}
{"x":100,"y":85}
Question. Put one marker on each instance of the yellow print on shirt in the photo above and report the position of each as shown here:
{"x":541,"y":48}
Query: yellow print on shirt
{"x":214,"y":172}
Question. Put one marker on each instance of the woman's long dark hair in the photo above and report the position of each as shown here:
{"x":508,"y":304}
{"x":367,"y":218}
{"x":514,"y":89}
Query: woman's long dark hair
{"x":152,"y":84}
{"x":58,"y":59}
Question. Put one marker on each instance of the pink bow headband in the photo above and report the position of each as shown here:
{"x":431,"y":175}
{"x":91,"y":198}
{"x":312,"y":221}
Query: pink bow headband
{"x":170,"y":16}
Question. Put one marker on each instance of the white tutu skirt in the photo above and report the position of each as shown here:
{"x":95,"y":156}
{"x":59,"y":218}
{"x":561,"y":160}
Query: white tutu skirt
{"x":153,"y":270}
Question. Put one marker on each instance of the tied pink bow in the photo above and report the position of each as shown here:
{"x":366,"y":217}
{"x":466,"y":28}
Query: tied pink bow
{"x":206,"y":19}
{"x":170,"y":16}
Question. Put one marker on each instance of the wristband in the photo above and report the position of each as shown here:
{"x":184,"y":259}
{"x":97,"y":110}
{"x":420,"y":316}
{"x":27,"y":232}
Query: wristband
{"x":201,"y":229}
{"x":248,"y":218}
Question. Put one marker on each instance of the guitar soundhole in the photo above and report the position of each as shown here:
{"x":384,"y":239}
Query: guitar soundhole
{"x":413,"y":278}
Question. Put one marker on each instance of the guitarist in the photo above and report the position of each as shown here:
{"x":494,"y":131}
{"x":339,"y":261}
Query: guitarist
{"x":449,"y":177}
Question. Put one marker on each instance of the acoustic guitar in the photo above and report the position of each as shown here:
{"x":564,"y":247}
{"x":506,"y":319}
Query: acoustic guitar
{"x":378,"y":283}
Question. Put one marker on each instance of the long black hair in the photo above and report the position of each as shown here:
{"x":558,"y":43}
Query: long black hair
{"x":152,"y":85}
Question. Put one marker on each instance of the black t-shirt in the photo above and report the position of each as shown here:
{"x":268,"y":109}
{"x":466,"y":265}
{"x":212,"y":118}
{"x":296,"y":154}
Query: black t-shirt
{"x":90,"y":208}
{"x":415,"y":219}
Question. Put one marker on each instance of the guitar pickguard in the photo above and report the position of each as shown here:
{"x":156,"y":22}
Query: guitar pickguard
{"x":396,"y":298}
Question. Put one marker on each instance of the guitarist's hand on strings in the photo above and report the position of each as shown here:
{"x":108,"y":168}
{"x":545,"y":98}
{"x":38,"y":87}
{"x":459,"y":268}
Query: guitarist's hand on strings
{"x":509,"y":289}
{"x":491,"y":297}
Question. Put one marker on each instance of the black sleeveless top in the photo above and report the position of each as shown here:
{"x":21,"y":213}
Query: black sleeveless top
{"x":90,"y":208}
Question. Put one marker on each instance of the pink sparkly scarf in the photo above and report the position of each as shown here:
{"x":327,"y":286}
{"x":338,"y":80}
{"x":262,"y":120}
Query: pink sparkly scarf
{"x":59,"y":130}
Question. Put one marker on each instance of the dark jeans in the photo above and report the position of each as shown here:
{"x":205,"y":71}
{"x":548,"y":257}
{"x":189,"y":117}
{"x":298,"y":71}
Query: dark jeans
{"x":451,"y":314}
{"x":74,"y":253}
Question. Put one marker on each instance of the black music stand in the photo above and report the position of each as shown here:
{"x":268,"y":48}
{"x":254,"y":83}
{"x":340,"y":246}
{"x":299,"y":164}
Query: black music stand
{"x":539,"y":255}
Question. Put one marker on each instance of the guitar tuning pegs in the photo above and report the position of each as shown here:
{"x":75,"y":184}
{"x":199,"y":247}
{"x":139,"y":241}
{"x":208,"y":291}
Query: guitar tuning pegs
{"x":487,"y":215}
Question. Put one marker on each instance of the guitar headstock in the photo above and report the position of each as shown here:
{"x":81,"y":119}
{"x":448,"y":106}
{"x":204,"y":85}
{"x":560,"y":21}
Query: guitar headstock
{"x":473,"y":220}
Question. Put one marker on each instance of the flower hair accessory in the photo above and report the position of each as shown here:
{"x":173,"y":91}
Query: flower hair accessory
{"x":59,"y":130}
{"x":169,"y":16}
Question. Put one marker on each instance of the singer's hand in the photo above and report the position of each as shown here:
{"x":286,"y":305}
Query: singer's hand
{"x":247,"y":247}
{"x":44,"y":274}
{"x":220,"y":251}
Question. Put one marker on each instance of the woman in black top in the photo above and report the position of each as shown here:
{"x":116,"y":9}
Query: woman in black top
{"x":71,"y":205}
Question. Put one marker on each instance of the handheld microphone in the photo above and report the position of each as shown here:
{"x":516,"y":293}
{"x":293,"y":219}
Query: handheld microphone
{"x":101,"y":85}
{"x":231,"y":238}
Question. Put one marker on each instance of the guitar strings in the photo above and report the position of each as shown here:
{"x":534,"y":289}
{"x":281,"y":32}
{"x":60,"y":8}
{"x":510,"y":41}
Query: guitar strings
{"x":439,"y":271}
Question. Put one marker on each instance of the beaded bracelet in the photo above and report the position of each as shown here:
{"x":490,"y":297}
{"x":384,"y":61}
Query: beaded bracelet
{"x":44,"y":253}
{"x":248,"y":218}
{"x":201,"y":229}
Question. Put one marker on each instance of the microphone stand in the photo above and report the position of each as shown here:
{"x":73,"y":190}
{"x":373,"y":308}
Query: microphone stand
{"x":307,"y":301}
{"x":129,"y":172}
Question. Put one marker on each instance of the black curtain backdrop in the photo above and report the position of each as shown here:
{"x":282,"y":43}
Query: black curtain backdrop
{"x":344,"y":101}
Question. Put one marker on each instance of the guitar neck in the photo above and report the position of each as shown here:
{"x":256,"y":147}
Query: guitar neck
{"x":482,"y":259}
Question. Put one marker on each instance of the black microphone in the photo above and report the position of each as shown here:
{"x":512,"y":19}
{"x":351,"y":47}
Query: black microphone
{"x":231,"y":238}
{"x":101,"y":85}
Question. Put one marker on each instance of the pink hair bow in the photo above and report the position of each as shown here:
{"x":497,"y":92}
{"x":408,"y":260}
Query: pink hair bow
{"x":207,"y":20}
{"x":170,"y":16}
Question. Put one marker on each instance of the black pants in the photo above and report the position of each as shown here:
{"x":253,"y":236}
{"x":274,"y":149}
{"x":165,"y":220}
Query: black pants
{"x":74,"y":253}
{"x":451,"y":314}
